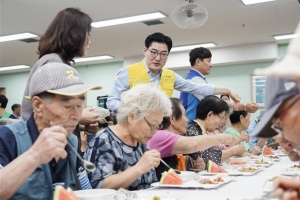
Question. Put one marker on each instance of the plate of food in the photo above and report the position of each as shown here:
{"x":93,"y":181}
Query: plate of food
{"x":273,"y":157}
{"x":262,"y":163}
{"x":203,"y":182}
{"x":292,"y":171}
{"x":248,"y":171}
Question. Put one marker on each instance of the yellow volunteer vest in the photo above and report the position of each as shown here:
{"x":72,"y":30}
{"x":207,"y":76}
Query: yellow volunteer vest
{"x":138,"y":75}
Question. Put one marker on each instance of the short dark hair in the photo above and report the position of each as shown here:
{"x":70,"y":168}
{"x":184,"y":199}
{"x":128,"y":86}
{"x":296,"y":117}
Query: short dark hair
{"x":200,"y":53}
{"x":3,"y":101}
{"x":16,"y":105}
{"x":160,"y":38}
{"x":211,"y":103}
{"x":235,"y":116}
{"x":176,"y":112}
{"x":66,"y":35}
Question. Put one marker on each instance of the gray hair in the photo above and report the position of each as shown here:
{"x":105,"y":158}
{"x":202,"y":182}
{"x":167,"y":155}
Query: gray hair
{"x":141,"y":100}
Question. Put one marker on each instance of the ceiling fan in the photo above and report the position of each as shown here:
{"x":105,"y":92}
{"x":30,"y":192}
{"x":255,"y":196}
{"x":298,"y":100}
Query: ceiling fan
{"x":189,"y":15}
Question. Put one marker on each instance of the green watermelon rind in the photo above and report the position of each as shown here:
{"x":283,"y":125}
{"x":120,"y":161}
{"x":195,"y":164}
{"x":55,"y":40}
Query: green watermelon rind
{"x":210,"y":164}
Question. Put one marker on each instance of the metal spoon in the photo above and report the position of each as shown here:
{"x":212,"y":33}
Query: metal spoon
{"x":161,"y":160}
{"x":176,"y":170}
{"x":87,"y":165}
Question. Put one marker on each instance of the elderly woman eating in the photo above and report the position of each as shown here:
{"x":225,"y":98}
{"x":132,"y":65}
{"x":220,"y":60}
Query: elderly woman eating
{"x":119,"y":152}
{"x":210,"y":114}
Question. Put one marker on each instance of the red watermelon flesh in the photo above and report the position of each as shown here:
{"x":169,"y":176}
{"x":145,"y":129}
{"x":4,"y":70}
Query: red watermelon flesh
{"x":214,"y":168}
{"x":170,"y":178}
{"x":61,"y":193}
{"x":267,"y":151}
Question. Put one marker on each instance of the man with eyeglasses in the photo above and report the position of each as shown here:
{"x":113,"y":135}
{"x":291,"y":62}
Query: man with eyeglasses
{"x":200,"y":60}
{"x":151,"y":70}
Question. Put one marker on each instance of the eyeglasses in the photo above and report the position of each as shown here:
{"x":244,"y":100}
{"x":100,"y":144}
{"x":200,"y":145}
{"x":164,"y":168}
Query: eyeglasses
{"x":152,"y":127}
{"x":277,"y":124}
{"x":162,"y":55}
{"x":222,"y":118}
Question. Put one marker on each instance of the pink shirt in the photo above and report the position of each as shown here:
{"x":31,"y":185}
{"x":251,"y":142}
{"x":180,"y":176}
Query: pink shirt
{"x":164,"y":142}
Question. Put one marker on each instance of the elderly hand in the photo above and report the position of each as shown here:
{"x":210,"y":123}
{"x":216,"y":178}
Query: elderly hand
{"x":251,"y":107}
{"x":255,"y":150}
{"x":244,"y":137}
{"x":88,"y":116}
{"x":286,"y":189}
{"x":50,"y":144}
{"x":149,"y":160}
{"x":198,"y":164}
{"x":239,"y":150}
{"x":227,"y":140}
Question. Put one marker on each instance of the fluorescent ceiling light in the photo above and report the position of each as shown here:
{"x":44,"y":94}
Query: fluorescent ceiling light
{"x":125,"y":20}
{"x":19,"y":36}
{"x":285,"y":37}
{"x":8,"y":68}
{"x":77,"y":60}
{"x":249,"y":2}
{"x":184,"y":48}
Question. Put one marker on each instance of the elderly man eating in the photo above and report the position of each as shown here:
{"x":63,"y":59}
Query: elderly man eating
{"x":33,"y":153}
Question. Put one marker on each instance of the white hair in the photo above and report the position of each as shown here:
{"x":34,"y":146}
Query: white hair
{"x":141,"y":100}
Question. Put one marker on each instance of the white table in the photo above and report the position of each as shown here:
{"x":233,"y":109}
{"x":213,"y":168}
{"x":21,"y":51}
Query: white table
{"x":243,"y":187}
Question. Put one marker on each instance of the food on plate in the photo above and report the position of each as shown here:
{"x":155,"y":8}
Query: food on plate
{"x":248,"y":169}
{"x":170,"y":178}
{"x":293,"y":168}
{"x":61,"y":193}
{"x":254,"y":157}
{"x":237,"y":162}
{"x":207,"y":181}
{"x":262,"y":161}
{"x":214,"y":168}
{"x":156,"y":198}
{"x":219,"y":179}
{"x":272,"y":156}
{"x":267,"y":151}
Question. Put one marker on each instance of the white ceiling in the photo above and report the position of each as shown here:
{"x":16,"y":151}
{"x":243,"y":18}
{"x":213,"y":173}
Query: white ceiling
{"x":229,"y":23}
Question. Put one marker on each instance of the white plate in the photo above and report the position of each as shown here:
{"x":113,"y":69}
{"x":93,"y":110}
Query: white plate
{"x":290,"y":173}
{"x":196,"y":184}
{"x":262,"y":165}
{"x":163,"y":195}
{"x":250,"y":173}
{"x":268,"y":186}
{"x":274,"y":159}
{"x":230,"y":173}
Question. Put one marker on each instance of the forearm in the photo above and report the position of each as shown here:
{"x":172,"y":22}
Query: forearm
{"x":123,"y":179}
{"x":13,"y":175}
{"x":261,"y":142}
{"x":200,"y":143}
{"x":227,"y":154}
{"x":221,"y":90}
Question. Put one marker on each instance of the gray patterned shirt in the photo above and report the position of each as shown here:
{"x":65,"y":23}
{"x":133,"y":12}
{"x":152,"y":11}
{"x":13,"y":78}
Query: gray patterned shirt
{"x":112,"y":156}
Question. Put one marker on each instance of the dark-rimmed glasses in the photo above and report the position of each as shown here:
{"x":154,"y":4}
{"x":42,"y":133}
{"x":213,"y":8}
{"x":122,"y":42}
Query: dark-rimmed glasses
{"x":154,"y":54}
{"x":152,"y":127}
{"x":277,"y":124}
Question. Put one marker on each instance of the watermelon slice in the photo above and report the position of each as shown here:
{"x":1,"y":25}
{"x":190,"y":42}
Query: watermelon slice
{"x":170,"y":178}
{"x":214,"y":168}
{"x":267,"y":151}
{"x":61,"y":193}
